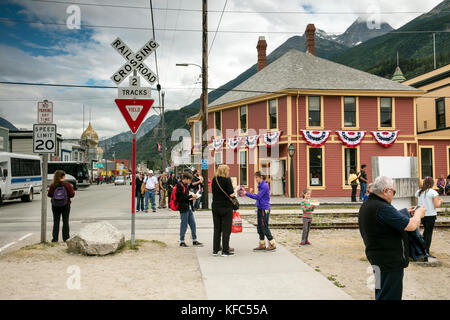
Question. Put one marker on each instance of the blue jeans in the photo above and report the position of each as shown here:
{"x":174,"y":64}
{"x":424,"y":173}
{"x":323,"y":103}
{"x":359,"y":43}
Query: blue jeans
{"x":151,"y":194}
{"x":362,"y":192}
{"x":197,"y":204}
{"x":187,"y":218}
{"x":140,"y":201}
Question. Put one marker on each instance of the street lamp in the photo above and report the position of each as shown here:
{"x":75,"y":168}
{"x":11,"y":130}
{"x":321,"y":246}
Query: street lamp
{"x":291,"y":151}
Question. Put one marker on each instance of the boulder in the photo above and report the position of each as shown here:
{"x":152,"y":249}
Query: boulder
{"x":99,"y":238}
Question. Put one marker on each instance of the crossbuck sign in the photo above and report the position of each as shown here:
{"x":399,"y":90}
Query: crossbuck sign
{"x":135,"y":61}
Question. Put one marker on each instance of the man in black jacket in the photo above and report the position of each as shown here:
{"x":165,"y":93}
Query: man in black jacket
{"x":187,"y":216}
{"x":383,"y":230}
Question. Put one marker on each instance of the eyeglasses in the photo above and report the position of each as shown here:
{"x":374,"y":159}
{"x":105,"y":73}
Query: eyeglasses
{"x":393,"y":191}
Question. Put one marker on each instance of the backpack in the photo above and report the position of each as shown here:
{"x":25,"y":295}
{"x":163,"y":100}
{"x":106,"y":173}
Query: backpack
{"x":60,"y":197}
{"x":173,"y":203}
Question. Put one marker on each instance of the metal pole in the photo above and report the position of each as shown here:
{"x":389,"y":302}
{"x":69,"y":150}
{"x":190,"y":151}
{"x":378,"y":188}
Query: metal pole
{"x":163,"y":125}
{"x":434,"y":49}
{"x":204,"y":113}
{"x":291,"y":178}
{"x":44,"y":198}
{"x":133,"y":177}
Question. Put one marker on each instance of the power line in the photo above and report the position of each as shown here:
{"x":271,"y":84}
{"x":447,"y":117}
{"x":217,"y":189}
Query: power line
{"x":174,"y":88}
{"x":198,"y":30}
{"x":218,"y":25}
{"x":230,"y":11}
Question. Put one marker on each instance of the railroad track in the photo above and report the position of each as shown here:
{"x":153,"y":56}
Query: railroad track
{"x":338,"y":225}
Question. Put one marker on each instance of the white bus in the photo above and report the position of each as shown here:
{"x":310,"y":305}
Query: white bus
{"x":20,"y":176}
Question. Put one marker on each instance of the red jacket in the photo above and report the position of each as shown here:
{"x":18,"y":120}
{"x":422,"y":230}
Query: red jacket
{"x":69,"y":189}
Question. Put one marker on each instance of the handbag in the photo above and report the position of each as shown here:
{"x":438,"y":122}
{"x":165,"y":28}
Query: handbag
{"x":143,"y":187}
{"x":236,"y":225}
{"x":234,"y":201}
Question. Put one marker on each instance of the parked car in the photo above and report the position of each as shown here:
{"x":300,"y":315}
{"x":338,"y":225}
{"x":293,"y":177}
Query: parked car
{"x":70,"y":179}
{"x":119,"y":180}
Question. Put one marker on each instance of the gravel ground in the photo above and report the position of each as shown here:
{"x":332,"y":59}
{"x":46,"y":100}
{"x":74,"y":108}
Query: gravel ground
{"x":339,"y":256}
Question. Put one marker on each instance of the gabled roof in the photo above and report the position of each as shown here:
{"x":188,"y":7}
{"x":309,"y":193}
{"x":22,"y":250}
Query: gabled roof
{"x":300,"y":70}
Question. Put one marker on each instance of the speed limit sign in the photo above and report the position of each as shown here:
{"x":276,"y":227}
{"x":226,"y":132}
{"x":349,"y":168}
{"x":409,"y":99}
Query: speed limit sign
{"x":44,"y":138}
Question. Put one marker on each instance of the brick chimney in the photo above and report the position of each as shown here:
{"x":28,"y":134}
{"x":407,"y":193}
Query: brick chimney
{"x":309,"y":32}
{"x":261,"y":48}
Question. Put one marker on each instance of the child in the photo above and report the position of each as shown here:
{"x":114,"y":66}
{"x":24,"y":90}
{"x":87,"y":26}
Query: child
{"x":307,"y":209}
{"x":187,"y":216}
{"x":369,"y":190}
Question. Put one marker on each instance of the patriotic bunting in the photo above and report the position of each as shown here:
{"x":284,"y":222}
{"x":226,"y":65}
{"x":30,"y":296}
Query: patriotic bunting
{"x":351,"y":138}
{"x":251,"y":141}
{"x":315,"y":138}
{"x":233,"y":143}
{"x":217,"y":143}
{"x":271,"y":138}
{"x":385,"y":138}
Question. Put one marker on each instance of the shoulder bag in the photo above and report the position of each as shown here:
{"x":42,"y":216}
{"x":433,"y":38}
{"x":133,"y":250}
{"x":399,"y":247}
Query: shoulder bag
{"x":234,"y":201}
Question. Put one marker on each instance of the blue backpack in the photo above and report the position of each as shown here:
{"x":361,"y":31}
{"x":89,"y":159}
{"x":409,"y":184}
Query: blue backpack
{"x":60,"y":197}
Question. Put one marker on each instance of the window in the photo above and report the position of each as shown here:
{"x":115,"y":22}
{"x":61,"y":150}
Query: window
{"x":349,"y":112}
{"x":197,"y":132}
{"x":217,"y":159}
{"x":218,"y":122}
{"x":314,"y":112}
{"x":243,"y":168}
{"x":440,"y":113}
{"x":243,"y":118}
{"x":25,"y":167}
{"x":272,"y":114}
{"x":426,"y":161}
{"x":315,"y":167}
{"x":350,"y":162}
{"x":425,"y":124}
{"x":386,"y":112}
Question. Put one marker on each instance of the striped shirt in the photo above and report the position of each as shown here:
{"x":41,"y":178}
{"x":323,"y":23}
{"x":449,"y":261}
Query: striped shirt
{"x":307,"y":208}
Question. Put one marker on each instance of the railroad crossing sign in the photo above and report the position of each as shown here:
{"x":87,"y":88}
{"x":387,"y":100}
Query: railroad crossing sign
{"x":135,"y":61}
{"x":45,"y":112}
{"x":44,"y":138}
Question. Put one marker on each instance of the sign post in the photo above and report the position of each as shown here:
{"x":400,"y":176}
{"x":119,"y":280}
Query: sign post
{"x":44,"y":142}
{"x":134,"y":101}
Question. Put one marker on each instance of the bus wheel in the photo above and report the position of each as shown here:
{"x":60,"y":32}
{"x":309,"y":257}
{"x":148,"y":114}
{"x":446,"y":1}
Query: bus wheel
{"x":28,"y":198}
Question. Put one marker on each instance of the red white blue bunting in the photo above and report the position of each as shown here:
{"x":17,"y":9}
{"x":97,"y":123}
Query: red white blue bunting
{"x":233,"y":143}
{"x":251,"y":141}
{"x":351,"y":138}
{"x":316,"y":138}
{"x":217,"y":143}
{"x":385,"y":138}
{"x":271,"y":138}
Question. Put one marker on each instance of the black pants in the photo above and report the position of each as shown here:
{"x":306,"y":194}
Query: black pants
{"x":57,"y":213}
{"x":391,"y":286}
{"x":222,"y":218}
{"x":263,"y":225}
{"x":428,"y":226}
{"x":354,"y":192}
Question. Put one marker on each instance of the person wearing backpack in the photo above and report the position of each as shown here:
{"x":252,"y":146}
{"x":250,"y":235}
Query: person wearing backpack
{"x":60,"y":193}
{"x":182,"y":199}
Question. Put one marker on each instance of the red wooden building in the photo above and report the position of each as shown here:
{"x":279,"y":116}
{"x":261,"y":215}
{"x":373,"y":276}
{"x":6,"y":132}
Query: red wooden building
{"x":297,"y":92}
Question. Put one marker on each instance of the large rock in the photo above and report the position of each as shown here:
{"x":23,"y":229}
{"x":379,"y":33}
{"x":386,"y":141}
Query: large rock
{"x":99,"y":238}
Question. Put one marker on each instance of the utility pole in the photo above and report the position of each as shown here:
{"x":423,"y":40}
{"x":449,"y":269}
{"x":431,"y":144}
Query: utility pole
{"x":163,"y":125}
{"x":204,"y":105}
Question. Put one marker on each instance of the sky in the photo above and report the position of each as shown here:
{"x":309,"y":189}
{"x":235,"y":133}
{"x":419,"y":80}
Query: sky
{"x":36,"y":46}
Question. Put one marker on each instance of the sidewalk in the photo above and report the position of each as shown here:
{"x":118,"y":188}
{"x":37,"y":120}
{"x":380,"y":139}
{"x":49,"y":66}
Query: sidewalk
{"x":258,"y":275}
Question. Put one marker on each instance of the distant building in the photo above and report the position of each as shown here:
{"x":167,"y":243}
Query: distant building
{"x":433,"y":122}
{"x":21,"y":141}
{"x":299,"y":102}
{"x":4,"y":139}
{"x":72,"y":150}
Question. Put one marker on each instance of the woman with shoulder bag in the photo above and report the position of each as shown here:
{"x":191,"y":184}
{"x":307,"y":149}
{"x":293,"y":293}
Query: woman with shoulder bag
{"x":222,"y":208}
{"x":60,"y":192}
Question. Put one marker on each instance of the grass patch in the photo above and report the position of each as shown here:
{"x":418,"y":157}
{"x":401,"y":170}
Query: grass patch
{"x":159,"y":243}
{"x":317,"y":269}
{"x":127,"y":246}
{"x":335,"y":282}
{"x":363,"y":259}
{"x":38,"y":246}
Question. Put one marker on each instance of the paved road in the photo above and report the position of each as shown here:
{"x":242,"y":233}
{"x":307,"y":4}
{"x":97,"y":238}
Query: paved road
{"x":103,"y":202}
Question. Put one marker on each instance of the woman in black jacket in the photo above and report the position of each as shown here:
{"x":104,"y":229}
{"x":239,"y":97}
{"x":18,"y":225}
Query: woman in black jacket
{"x":138,"y":193}
{"x":222,"y":209}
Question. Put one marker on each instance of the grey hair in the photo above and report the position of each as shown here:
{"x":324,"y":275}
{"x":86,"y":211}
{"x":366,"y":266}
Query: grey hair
{"x":381,"y":183}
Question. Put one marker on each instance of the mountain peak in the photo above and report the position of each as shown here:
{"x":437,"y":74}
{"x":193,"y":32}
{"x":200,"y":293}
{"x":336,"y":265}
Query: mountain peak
{"x":360,"y":31}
